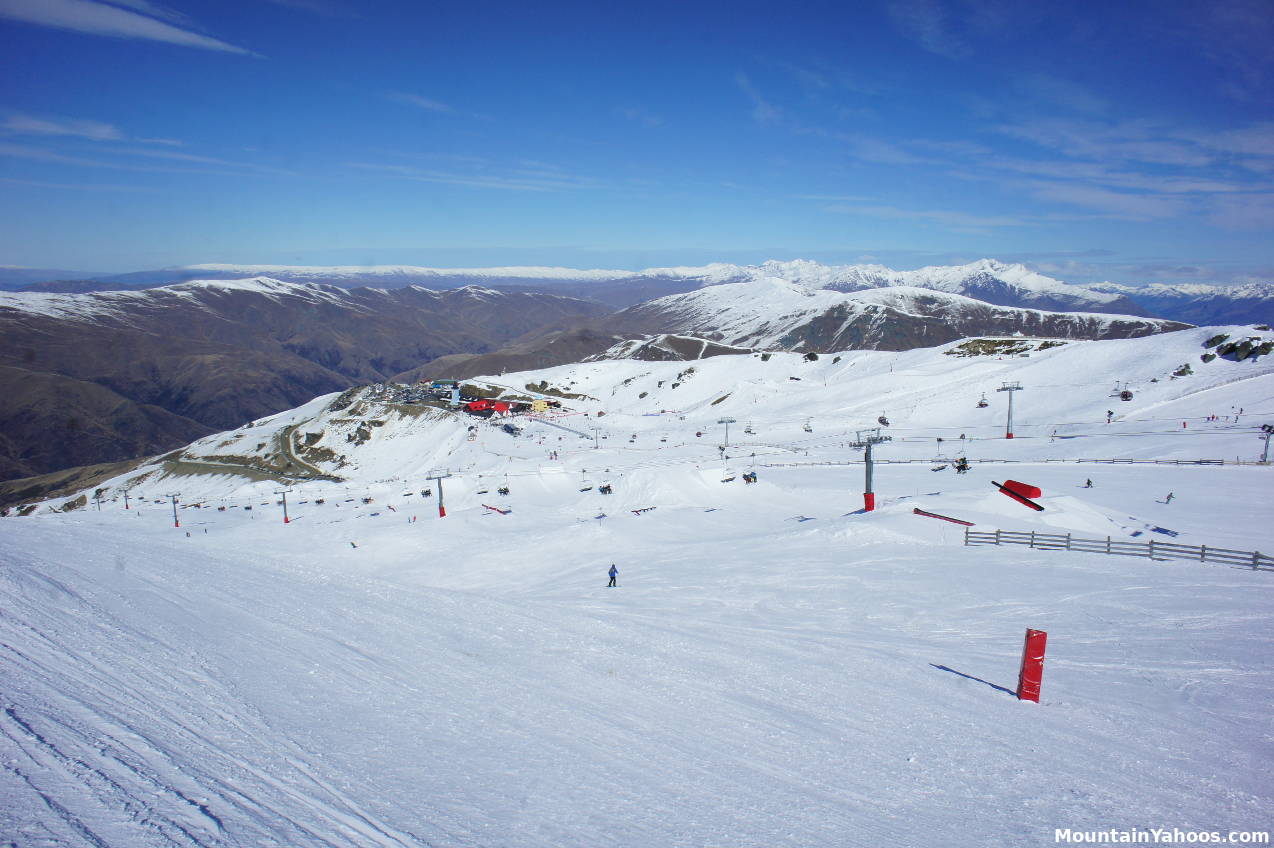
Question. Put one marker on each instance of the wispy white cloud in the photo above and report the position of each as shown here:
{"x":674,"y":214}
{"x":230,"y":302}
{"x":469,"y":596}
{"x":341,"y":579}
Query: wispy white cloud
{"x":1100,"y":175}
{"x":155,"y":10}
{"x":79,"y":128}
{"x":956,"y":28}
{"x":101,"y":19}
{"x":877,"y":150}
{"x":222,"y":167}
{"x":194,"y":158}
{"x":19,"y":124}
{"x":318,"y":7}
{"x":639,"y":116}
{"x":927,"y":23}
{"x":1235,"y":35}
{"x":1121,"y":205}
{"x":419,"y":102}
{"x":515,"y":179}
{"x":78,"y":186}
{"x":1137,"y":141}
{"x":953,"y":219}
{"x":1243,"y":212}
{"x":763,"y":111}
{"x":1056,"y":91}
{"x":822,"y":77}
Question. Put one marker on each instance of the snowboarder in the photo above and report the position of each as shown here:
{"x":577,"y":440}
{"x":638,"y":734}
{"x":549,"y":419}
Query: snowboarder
{"x":1168,"y":499}
{"x":614,"y":572}
{"x":1088,"y":484}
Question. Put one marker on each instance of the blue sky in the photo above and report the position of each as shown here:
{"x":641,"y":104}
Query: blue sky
{"x":1131,"y":141}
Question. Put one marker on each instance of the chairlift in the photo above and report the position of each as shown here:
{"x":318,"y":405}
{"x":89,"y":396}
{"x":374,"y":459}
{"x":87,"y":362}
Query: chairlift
{"x":882,"y":421}
{"x":748,"y":430}
{"x":982,"y":404}
{"x":807,"y":428}
{"x":1121,"y":391}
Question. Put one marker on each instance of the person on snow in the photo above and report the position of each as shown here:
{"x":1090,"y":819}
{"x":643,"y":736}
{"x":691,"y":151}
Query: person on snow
{"x":614,"y":572}
{"x":1168,"y":499}
{"x":1088,"y":484}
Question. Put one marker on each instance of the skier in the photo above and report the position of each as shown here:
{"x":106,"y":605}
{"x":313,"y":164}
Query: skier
{"x":1088,"y":484}
{"x":614,"y":572}
{"x":1168,"y":499}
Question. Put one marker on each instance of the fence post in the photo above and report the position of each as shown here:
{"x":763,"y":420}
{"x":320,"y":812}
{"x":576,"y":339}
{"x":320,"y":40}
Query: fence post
{"x":1256,"y":560}
{"x":1068,"y":541}
{"x":1203,"y":553}
{"x":997,"y":535}
{"x":966,"y":537}
{"x":1032,"y":544}
{"x":1152,"y":548}
{"x":1107,"y":546}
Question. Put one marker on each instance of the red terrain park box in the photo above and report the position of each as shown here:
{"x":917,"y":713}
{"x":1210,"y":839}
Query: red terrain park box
{"x":1024,"y":489}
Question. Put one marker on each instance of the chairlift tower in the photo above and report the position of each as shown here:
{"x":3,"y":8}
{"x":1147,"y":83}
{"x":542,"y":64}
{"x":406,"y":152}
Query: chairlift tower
{"x":727,"y":422}
{"x":176,"y":521}
{"x":1008,"y":424}
{"x":439,"y":475}
{"x":284,"y":493}
{"x":865,"y":441}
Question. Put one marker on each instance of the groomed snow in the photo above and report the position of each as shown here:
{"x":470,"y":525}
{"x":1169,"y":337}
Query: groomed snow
{"x":772,"y":670}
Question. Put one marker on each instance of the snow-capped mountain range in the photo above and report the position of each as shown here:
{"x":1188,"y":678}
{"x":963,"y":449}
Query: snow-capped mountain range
{"x":776,"y":313}
{"x":989,"y":280}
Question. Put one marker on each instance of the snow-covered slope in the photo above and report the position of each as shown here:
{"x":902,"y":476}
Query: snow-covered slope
{"x":94,"y":305}
{"x":772,"y":670}
{"x":382,"y":433}
{"x":773,"y":312}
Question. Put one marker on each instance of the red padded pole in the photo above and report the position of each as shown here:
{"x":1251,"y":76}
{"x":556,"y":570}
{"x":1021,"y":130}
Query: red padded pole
{"x":1032,"y":673}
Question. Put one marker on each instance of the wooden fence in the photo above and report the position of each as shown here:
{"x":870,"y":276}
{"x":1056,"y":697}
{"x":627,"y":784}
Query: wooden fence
{"x":1153,"y":549}
{"x":939,"y":460}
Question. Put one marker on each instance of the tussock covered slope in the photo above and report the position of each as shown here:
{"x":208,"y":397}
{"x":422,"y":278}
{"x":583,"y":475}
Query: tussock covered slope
{"x":198,"y":357}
